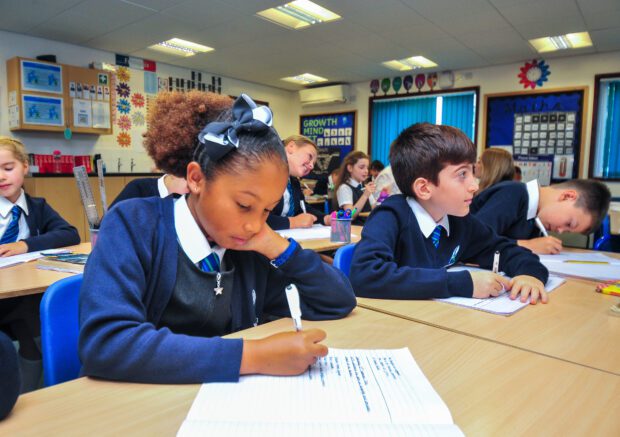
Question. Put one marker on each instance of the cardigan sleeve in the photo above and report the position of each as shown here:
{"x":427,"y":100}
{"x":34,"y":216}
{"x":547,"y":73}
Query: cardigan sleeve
{"x":48,"y":230}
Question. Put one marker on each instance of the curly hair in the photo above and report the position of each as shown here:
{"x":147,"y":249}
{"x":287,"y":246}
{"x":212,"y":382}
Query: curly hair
{"x":174,"y":124}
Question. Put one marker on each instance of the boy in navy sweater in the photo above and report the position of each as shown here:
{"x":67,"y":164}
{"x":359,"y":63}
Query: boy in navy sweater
{"x":511,"y":209}
{"x":409,"y":241}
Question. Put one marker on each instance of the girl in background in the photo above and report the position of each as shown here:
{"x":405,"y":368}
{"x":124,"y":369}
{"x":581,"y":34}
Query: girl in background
{"x":494,"y":165}
{"x":350,"y":191}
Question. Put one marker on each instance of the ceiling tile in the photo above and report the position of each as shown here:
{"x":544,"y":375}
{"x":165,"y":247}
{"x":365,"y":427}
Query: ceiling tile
{"x":21,"y":16}
{"x":202,"y":14}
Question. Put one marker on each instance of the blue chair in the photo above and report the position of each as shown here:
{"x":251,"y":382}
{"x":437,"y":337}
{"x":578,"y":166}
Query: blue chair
{"x":603,"y":240}
{"x":59,"y":331}
{"x":343,"y":257}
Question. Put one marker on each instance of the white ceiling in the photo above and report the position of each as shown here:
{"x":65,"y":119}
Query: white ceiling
{"x":456,"y":34}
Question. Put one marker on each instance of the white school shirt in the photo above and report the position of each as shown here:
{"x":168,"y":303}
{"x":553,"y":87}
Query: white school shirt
{"x":190,"y":237}
{"x":345,"y":194}
{"x":425,"y":221}
{"x":161,"y":187}
{"x":5,"y":216}
{"x":533,"y":195}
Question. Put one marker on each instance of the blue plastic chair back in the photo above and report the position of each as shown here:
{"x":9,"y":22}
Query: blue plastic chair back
{"x":59,"y":331}
{"x":604,"y":238}
{"x":343,"y":257}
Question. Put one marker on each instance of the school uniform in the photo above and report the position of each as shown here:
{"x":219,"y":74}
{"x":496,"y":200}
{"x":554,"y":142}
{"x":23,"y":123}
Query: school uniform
{"x":40,"y":227}
{"x":10,"y":379}
{"x":397,"y":258}
{"x":509,"y":208}
{"x":349,"y":193}
{"x":145,"y":187}
{"x":142,"y":284}
{"x":290,"y":205}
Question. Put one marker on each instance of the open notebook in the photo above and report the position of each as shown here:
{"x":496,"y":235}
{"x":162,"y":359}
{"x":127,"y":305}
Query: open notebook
{"x":359,"y":392}
{"x":589,"y":265}
{"x":501,"y":304}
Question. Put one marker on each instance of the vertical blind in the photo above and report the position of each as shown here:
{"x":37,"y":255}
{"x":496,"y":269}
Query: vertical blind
{"x":607,"y":163}
{"x":391,"y":117}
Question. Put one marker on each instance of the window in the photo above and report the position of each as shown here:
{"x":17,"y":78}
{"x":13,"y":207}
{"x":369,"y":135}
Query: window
{"x":605,"y":154}
{"x":391,"y":115}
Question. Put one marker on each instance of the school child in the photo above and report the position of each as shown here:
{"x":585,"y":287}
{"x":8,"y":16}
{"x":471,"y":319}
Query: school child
{"x":494,"y":165}
{"x":412,"y":238}
{"x":375,"y":168}
{"x":27,"y":224}
{"x":148,"y":187}
{"x":10,"y":379}
{"x":518,"y":176}
{"x":169,"y":276}
{"x":350,"y":192}
{"x":291,"y":211}
{"x":523,"y":212}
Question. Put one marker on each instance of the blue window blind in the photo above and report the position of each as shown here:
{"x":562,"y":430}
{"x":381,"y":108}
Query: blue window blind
{"x":391,"y":117}
{"x":459,"y":111}
{"x":607,"y":156}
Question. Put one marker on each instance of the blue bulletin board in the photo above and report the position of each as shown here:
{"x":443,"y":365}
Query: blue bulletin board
{"x":333,"y":133}
{"x":542,"y":129}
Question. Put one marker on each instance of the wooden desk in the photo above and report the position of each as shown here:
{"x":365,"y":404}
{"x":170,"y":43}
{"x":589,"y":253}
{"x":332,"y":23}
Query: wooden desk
{"x":324,"y":244}
{"x":576,"y":325}
{"x":25,"y":279}
{"x":489,"y":388}
{"x":315,"y":200}
{"x":364,"y":214}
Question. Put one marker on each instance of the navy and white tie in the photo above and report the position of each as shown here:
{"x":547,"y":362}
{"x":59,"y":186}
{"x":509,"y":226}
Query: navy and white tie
{"x":436,"y":236}
{"x":10,"y":234}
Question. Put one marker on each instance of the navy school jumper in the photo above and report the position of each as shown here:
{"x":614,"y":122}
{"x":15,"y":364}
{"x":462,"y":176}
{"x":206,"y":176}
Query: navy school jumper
{"x":275,"y":219}
{"x":394,"y":260}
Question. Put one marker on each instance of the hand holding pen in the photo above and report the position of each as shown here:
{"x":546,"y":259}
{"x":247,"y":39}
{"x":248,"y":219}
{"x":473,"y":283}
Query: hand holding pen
{"x":285,"y":353}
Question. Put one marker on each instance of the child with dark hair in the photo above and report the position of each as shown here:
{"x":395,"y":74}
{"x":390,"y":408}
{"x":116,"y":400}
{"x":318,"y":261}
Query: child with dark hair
{"x":513,"y":209}
{"x":166,"y":135}
{"x":350,"y":191}
{"x":291,"y":211}
{"x":375,"y":168}
{"x":412,"y":238}
{"x":169,"y":276}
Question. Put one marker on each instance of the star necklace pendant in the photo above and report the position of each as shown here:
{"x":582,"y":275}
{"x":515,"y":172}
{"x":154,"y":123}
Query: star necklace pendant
{"x":218,"y":284}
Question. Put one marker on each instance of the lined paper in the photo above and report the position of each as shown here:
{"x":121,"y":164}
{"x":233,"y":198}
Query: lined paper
{"x":600,"y":272}
{"x":26,"y":257}
{"x":346,"y":388}
{"x":501,"y":304}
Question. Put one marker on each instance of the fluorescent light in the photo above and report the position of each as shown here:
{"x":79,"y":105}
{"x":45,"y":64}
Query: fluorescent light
{"x":305,"y":79}
{"x":298,"y":14}
{"x":561,"y":42}
{"x":177,"y":46}
{"x":412,"y":63}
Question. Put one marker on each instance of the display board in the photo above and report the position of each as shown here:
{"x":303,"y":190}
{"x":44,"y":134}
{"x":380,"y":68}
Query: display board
{"x":543,"y":130}
{"x":46,"y":96}
{"x":333,"y":133}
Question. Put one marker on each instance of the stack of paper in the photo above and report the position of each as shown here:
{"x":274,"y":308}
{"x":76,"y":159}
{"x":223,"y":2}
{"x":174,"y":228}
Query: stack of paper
{"x":316,"y":232}
{"x":589,"y":265}
{"x":365,"y":392}
{"x":26,"y":257}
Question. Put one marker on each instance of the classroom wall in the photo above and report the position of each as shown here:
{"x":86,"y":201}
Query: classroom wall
{"x":282,"y":102}
{"x":565,"y":72}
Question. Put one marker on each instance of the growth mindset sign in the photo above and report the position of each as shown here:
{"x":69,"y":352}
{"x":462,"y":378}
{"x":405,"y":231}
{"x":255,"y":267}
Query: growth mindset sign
{"x":334,"y":134}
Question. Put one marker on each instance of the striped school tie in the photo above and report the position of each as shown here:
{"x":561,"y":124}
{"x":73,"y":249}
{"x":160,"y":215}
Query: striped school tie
{"x":210,"y":263}
{"x":291,"y":200}
{"x":435,"y":236}
{"x":10,"y":234}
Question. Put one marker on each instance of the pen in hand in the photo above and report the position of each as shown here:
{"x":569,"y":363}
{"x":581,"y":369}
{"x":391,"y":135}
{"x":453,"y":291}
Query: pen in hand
{"x":496,"y":262}
{"x":292,"y":297}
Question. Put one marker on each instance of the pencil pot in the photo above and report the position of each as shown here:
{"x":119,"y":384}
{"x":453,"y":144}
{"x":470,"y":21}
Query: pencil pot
{"x":94,"y":234}
{"x":341,"y":231}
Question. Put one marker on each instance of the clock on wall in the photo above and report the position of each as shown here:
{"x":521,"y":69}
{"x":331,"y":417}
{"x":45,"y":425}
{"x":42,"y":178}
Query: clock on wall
{"x":534,"y":74}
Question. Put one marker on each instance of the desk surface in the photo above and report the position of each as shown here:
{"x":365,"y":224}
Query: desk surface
{"x":24,"y":279}
{"x":324,"y":244}
{"x":576,"y":325}
{"x":490,"y":389}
